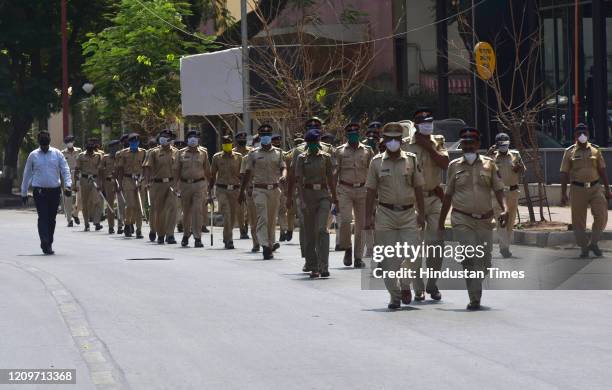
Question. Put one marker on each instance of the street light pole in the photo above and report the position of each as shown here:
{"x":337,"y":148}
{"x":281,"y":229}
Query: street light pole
{"x":246,"y":117}
{"x":65,"y":98}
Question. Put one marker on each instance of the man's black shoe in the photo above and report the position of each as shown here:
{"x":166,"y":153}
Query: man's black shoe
{"x":255,"y":249}
{"x":86,"y":227}
{"x":160,"y":240}
{"x":325,"y":274}
{"x":267,"y":253}
{"x":275,"y":246}
{"x":111,"y":230}
{"x":70,"y":224}
{"x":584,"y":252}
{"x":337,"y":248}
{"x":127,"y":231}
{"x":198,"y":243}
{"x":289,"y":235}
{"x":244,"y":236}
{"x":473,"y":305}
{"x":152,"y":236}
{"x":358,"y":263}
{"x":120,"y":230}
{"x":281,"y":238}
{"x":138,"y":233}
{"x":435,"y":295}
{"x":305,"y":268}
{"x":505,"y":252}
{"x":348,"y":257}
{"x":185,"y":240}
{"x":76,"y":220}
{"x":179,"y":227}
{"x":394,"y":306}
{"x":419,"y":296}
{"x":170,"y":240}
{"x":98,"y":227}
{"x":205,"y":229}
{"x":46,"y":248}
{"x":229,"y":245}
{"x":596,"y":251}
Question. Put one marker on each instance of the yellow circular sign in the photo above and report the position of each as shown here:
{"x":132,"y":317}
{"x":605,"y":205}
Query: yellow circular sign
{"x":485,"y":60}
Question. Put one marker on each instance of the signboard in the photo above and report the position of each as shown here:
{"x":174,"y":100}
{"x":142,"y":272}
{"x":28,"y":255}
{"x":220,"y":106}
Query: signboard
{"x":485,"y":60}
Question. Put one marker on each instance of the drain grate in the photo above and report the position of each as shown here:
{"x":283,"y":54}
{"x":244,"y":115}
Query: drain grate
{"x":150,"y":258}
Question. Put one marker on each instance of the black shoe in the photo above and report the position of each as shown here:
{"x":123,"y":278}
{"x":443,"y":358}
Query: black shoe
{"x":305,"y":268}
{"x":98,"y":227}
{"x":120,"y":230}
{"x":152,"y":236}
{"x":505,"y":252}
{"x":229,"y":245}
{"x":596,"y":251}
{"x":337,"y":249}
{"x":255,"y":249}
{"x":348,"y":257}
{"x":205,"y":229}
{"x":198,"y":243}
{"x":275,"y":246}
{"x":394,"y":306}
{"x":473,"y":305}
{"x":289,"y":235}
{"x":86,"y":228}
{"x":325,"y":274}
{"x":584,"y":252}
{"x":267,"y":253}
{"x":46,"y":248}
{"x":127,"y":231}
{"x":435,"y":294}
{"x":76,"y":220}
{"x":138,"y":233}
{"x":185,"y":240}
{"x":314,"y":275}
{"x":179,"y":227}
{"x":111,"y":230}
{"x":282,"y":237}
{"x":160,"y":240}
{"x":406,"y":297}
{"x":244,"y":236}
{"x":70,"y":224}
{"x":419,"y":296}
{"x":358,"y":263}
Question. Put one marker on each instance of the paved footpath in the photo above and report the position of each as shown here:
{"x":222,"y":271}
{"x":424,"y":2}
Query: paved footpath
{"x":128,"y":314}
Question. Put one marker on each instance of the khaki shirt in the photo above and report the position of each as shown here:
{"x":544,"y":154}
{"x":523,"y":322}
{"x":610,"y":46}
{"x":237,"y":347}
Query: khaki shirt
{"x":108,"y":165}
{"x":89,"y":164}
{"x":314,"y":168}
{"x":71,"y":157}
{"x":394,"y":179}
{"x":266,"y":166}
{"x":471,"y":186}
{"x":582,"y":164}
{"x":294,"y":153}
{"x":162,"y":162}
{"x":226,"y":168}
{"x":505,"y":164}
{"x":353,"y":163}
{"x":243,"y":150}
{"x":432,"y":173}
{"x":193,"y":163}
{"x":131,"y":162}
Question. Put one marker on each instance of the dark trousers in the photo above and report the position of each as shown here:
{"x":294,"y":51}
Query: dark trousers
{"x":47,"y":201}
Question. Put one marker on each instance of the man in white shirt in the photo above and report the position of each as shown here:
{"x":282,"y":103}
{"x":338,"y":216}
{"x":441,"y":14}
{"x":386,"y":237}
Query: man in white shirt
{"x":45,"y":169}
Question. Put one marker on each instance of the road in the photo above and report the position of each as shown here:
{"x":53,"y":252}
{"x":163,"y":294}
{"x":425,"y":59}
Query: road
{"x":216,"y":319}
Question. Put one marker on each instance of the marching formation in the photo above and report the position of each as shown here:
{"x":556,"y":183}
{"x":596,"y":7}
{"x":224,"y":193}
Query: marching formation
{"x":377,"y":191}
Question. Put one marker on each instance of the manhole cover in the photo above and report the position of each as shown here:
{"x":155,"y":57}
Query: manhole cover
{"x":150,"y":258}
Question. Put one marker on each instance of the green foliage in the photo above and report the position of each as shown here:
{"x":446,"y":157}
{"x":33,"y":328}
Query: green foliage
{"x":351,"y":15}
{"x":135,"y":63}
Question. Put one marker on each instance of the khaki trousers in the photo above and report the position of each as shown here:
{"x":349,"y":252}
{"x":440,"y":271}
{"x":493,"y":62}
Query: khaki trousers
{"x":191,"y":202}
{"x":266,"y":205}
{"x":316,"y":234}
{"x":133,"y":213}
{"x":205,"y":216}
{"x":433,"y":205}
{"x":120,"y":210}
{"x":229,"y":208}
{"x":352,"y":202}
{"x":109,"y":191}
{"x":90,"y":201}
{"x":282,"y":212}
{"x":505,"y":234}
{"x":580,"y":200}
{"x":251,"y":213}
{"x":163,"y":210}
{"x":153,"y":208}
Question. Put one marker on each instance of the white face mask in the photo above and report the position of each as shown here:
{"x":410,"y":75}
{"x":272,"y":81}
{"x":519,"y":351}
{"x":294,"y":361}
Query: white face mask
{"x":393,"y":145}
{"x":192,"y":141}
{"x":163,"y":141}
{"x":583,"y":139}
{"x":426,"y":128}
{"x":503,"y":148}
{"x":70,"y":145}
{"x":470,"y":157}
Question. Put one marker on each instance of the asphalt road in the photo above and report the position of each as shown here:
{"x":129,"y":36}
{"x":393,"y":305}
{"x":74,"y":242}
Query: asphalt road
{"x":216,"y":319}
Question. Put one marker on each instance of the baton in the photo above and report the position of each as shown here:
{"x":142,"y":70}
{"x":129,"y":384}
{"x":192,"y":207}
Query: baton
{"x":142,"y":211}
{"x":211,"y":222}
{"x":120,"y":192}
{"x":102,"y":195}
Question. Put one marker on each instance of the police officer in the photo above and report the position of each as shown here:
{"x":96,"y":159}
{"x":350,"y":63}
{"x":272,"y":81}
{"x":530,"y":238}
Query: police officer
{"x":225,"y":174}
{"x":179,"y":144}
{"x":159,"y":168}
{"x":193,"y":170}
{"x":266,"y":166}
{"x":87,"y":168}
{"x":129,"y":175}
{"x":470,"y":181}
{"x":291,"y":212}
{"x":314,"y":175}
{"x":396,"y":178}
{"x":510,"y":166}
{"x":124,"y":146}
{"x":246,"y":212}
{"x":282,"y":203}
{"x":107,"y":175}
{"x":72,"y":205}
{"x":432,"y":158}
{"x":584,"y":167}
{"x":353,"y":160}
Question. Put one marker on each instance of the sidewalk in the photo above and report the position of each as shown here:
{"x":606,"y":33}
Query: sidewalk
{"x":559,"y":214}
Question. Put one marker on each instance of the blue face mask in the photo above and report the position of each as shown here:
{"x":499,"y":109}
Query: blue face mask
{"x":134,"y":145}
{"x":266,"y":139}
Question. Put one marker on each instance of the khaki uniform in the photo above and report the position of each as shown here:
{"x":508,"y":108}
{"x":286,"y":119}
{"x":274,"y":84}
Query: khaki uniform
{"x":582,"y":165}
{"x":352,"y":174}
{"x":131,"y":162}
{"x":505,"y":165}
{"x":108,"y":182}
{"x":72,"y":203}
{"x":311,"y":173}
{"x":247,"y":214}
{"x":225,"y":169}
{"x":394,"y":180}
{"x":162,"y":163}
{"x":471,"y":188}
{"x":192,"y":171}
{"x":266,"y":168}
{"x":88,"y":167}
{"x":432,"y":174}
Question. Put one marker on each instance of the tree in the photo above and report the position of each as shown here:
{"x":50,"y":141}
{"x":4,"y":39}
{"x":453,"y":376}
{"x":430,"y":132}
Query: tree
{"x":30,"y":54}
{"x":134,"y":63}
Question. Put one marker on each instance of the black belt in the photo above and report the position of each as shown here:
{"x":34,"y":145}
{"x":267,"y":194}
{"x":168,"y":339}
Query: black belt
{"x":354,"y":185}
{"x":585,"y":185}
{"x":229,"y":187}
{"x":163,"y":180}
{"x":191,"y":181}
{"x":487,"y":215}
{"x":266,"y":186}
{"x":513,"y":188}
{"x":88,"y":176}
{"x":396,"y":207}
{"x":315,"y":186}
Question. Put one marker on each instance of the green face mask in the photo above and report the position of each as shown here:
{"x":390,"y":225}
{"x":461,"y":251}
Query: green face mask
{"x":353,"y":138}
{"x":313,"y":146}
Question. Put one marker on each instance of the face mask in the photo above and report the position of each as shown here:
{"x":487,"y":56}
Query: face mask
{"x":163,"y":141}
{"x":470,"y":157}
{"x":266,"y":139}
{"x":192,"y":141}
{"x":426,"y":128}
{"x":503,"y":148}
{"x":353,"y":138}
{"x":227,"y":148}
{"x":313,"y":146}
{"x":134,"y":145}
{"x":241,"y":142}
{"x":393,"y":145}
{"x":70,"y":145}
{"x":583,"y":138}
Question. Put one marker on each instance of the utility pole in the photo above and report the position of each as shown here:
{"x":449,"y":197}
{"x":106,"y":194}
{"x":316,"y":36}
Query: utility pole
{"x":65,"y":98}
{"x":474,"y":77}
{"x":246,"y":93}
{"x":442,"y":46}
